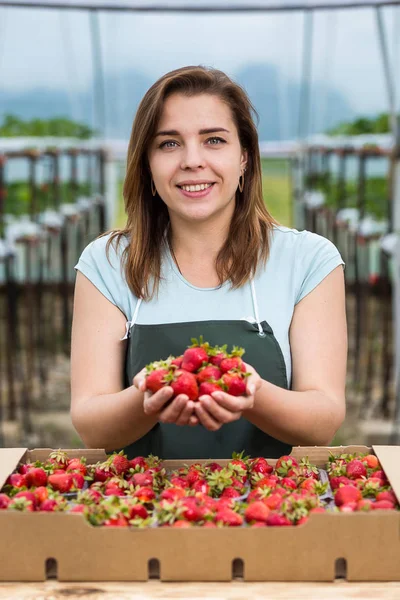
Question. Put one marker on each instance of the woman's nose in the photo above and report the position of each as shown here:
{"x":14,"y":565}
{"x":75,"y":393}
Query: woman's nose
{"x":193,"y":157}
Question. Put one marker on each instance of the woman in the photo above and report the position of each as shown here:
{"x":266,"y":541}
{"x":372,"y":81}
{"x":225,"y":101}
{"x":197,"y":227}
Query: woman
{"x":201,"y":255}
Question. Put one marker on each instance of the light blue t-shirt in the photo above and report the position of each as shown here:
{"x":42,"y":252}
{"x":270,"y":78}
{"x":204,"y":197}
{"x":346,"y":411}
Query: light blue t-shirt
{"x":298,"y":262}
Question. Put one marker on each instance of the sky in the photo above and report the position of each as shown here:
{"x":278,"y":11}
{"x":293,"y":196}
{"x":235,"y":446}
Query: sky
{"x":52,"y":48}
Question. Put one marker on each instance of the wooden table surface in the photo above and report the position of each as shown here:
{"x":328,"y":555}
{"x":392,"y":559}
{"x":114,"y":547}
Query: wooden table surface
{"x":235,"y":590}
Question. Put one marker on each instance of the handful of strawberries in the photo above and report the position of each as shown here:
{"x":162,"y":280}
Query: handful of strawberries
{"x":201,"y":369}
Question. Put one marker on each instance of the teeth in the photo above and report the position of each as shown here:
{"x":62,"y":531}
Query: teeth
{"x":196,"y":188}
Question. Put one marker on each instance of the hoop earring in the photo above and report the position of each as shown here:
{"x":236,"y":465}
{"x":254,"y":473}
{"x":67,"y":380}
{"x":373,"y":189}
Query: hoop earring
{"x":241,"y":183}
{"x":153,"y":188}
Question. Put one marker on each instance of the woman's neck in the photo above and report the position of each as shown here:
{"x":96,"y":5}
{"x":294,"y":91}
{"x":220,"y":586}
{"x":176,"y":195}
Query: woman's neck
{"x":195,"y":249}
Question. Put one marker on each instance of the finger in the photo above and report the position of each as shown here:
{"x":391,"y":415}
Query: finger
{"x":171,"y":413}
{"x":140,"y":379}
{"x":205,"y":418}
{"x":232,"y":403}
{"x":193,"y":421}
{"x":153,"y":403}
{"x":219,"y":413}
{"x":186,"y":413}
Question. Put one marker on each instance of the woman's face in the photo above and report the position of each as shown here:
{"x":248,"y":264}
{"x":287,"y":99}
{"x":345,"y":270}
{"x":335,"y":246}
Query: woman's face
{"x":196,"y":144}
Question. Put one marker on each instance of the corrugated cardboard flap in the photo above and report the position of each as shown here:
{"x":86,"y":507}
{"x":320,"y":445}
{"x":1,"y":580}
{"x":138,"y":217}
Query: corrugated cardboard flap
{"x":9,"y":459}
{"x":389,"y":457}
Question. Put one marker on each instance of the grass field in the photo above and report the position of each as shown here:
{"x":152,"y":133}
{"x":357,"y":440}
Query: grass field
{"x":276,"y":190}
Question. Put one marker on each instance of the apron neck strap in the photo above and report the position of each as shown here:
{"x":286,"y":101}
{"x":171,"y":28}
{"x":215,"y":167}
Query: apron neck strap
{"x":255,"y":305}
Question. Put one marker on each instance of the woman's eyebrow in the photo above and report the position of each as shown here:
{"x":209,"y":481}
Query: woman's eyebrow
{"x":201,"y":131}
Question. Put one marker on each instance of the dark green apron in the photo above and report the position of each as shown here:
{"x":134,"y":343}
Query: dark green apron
{"x":147,"y":343}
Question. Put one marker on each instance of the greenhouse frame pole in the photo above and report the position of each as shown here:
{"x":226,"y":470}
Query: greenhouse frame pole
{"x":395,"y":216}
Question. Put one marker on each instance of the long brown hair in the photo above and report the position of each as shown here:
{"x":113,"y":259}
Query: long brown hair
{"x":247,"y":243}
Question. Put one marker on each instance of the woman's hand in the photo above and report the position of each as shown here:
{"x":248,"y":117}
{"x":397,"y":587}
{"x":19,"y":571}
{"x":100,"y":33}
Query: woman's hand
{"x":179,"y":410}
{"x":219,"y":408}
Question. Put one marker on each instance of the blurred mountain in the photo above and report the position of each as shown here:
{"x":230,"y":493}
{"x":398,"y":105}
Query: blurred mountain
{"x":275,"y":98}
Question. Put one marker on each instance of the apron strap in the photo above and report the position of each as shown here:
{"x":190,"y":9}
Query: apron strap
{"x":255,"y":306}
{"x":129,"y":324}
{"x":261,"y":333}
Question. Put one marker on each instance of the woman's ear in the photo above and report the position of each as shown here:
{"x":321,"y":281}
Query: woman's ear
{"x":243,"y":160}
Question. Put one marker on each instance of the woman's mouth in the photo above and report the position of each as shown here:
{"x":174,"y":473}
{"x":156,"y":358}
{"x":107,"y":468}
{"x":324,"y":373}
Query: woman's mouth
{"x":196,"y":191}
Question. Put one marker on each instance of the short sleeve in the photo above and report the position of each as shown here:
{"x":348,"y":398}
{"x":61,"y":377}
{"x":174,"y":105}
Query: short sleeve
{"x":317,"y":257}
{"x":105,"y":272}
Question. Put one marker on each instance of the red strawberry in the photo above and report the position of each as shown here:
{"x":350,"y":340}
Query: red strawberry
{"x":355,"y":469}
{"x":116,"y":521}
{"x":24,"y":468}
{"x":227,"y":516}
{"x":256,"y":511}
{"x":206,"y":388}
{"x":78,"y":480}
{"x":235,"y":384}
{"x":340,"y":480}
{"x":364,"y":504}
{"x":138,"y":510}
{"x":213,"y":466}
{"x":16,"y":480}
{"x":41,"y":493}
{"x":230,"y":492}
{"x":139,"y":462}
{"x":119,"y":463}
{"x":102,"y":473}
{"x":261,"y":465}
{"x":4,"y":501}
{"x":346,"y":494}
{"x":180,"y":524}
{"x":273,"y":501}
{"x":381,"y":475}
{"x":142,"y":479}
{"x":217,"y":359}
{"x":36,"y":477}
{"x":387,"y":495}
{"x":371,"y":461}
{"x":156,"y":380}
{"x":77,"y":508}
{"x":349,"y":507}
{"x":179,"y":482}
{"x":289,"y":483}
{"x":383,"y":505}
{"x":201,"y":486}
{"x":62,"y":482}
{"x":22,"y":504}
{"x":235,"y":362}
{"x":177,"y":361}
{"x":195,"y":356}
{"x":49,"y":505}
{"x":210,"y":372}
{"x":30,"y":496}
{"x":172,"y":493}
{"x":284,"y":464}
{"x":77,"y":464}
{"x":58,"y":459}
{"x":184,"y":382}
{"x":145,"y":494}
{"x":277,"y":520}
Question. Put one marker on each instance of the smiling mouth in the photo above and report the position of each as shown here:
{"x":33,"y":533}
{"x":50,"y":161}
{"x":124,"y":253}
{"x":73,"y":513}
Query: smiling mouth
{"x":199,"y":187}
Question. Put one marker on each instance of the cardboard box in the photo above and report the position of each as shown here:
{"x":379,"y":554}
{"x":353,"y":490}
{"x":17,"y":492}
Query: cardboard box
{"x":366,"y":545}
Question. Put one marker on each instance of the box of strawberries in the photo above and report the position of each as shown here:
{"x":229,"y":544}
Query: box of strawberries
{"x":99,"y":517}
{"x":83,"y":515}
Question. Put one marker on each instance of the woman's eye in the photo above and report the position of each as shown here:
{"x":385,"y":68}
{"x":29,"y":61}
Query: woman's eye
{"x":218,"y":140}
{"x":165,"y":144}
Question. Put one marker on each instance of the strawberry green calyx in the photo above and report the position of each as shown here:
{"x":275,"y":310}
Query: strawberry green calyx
{"x":219,"y":480}
{"x":236,"y":351}
{"x":199,"y":343}
{"x":215,"y":350}
{"x":59,"y":456}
